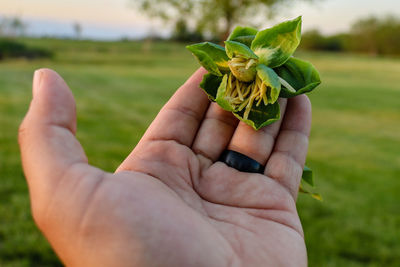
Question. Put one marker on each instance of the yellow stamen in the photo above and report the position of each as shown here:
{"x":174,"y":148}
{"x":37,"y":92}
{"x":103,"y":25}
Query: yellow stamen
{"x":243,"y":104}
{"x":242,"y":95}
{"x":247,"y":91}
{"x":229,"y":85}
{"x":251,"y":100}
{"x":238,"y":89}
{"x":264,"y":97}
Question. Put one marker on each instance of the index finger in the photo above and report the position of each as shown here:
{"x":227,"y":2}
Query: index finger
{"x":180,"y":118}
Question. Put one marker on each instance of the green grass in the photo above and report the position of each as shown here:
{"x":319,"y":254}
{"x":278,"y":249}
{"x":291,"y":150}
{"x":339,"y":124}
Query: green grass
{"x":119,"y":88}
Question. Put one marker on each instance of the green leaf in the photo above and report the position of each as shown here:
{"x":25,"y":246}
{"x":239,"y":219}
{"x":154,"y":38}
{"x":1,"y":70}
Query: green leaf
{"x":236,"y":49}
{"x":211,"y":56}
{"x":246,"y":40}
{"x":210,"y":84}
{"x":260,"y":116}
{"x":270,"y":78}
{"x":220,"y":99}
{"x":244,"y":35}
{"x":308,"y":176}
{"x":300,"y":75}
{"x":275,"y":45}
{"x":312,"y":194}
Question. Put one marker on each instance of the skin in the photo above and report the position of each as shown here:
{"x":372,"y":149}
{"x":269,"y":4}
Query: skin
{"x":170,"y":203}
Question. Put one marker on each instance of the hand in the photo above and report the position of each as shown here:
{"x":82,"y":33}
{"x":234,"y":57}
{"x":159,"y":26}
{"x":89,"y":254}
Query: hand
{"x":170,"y":203}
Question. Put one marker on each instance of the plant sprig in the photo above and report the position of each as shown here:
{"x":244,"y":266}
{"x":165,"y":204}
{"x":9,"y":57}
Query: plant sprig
{"x":254,"y":69}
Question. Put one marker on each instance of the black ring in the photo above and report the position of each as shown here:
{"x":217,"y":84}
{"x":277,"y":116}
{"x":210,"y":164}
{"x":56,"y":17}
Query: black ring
{"x":241,"y":162}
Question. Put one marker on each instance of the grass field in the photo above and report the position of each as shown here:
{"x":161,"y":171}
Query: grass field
{"x":119,"y":88}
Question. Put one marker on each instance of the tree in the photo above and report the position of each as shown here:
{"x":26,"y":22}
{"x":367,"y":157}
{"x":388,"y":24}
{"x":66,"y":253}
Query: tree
{"x":314,"y":40}
{"x":183,"y":34}
{"x":78,"y":30}
{"x":377,"y":35}
{"x":12,"y":27}
{"x":2,"y":27}
{"x":213,"y":16}
{"x":18,"y":26}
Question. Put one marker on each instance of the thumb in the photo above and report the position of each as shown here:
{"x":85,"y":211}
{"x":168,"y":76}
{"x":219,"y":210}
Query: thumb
{"x":47,"y":136}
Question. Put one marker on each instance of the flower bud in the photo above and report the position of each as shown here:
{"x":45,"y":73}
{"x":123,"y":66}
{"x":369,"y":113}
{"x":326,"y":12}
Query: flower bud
{"x":243,"y":69}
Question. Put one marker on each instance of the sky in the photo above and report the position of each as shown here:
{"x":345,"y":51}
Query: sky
{"x":114,"y":19}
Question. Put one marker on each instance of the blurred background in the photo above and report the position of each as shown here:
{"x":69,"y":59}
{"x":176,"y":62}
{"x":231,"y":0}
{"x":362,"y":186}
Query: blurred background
{"x":123,"y":59}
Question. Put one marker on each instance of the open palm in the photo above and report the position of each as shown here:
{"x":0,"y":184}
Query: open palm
{"x":170,"y":203}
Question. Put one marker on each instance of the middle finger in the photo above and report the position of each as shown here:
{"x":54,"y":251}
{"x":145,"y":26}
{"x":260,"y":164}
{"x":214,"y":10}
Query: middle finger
{"x":257,"y":144}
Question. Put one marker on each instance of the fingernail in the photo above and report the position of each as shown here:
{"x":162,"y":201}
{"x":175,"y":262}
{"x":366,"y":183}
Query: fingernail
{"x":37,"y":77}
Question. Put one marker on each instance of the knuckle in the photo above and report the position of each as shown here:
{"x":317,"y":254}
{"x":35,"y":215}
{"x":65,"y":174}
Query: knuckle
{"x":22,"y":132}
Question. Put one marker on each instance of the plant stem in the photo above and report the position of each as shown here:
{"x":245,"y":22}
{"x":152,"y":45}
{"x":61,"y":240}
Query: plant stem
{"x":287,"y":85}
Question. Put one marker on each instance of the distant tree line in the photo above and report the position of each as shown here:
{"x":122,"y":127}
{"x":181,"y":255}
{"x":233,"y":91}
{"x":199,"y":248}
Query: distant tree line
{"x":372,"y":35}
{"x":10,"y":47}
{"x":12,"y":31}
{"x":212,"y":18}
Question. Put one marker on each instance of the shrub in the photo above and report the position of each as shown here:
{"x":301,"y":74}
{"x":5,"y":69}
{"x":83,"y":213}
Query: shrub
{"x":13,"y":49}
{"x":314,"y":40}
{"x":377,"y":36}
